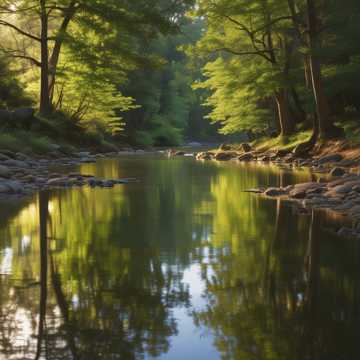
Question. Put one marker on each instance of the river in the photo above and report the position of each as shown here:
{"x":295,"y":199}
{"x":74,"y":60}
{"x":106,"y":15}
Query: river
{"x":182,"y":265}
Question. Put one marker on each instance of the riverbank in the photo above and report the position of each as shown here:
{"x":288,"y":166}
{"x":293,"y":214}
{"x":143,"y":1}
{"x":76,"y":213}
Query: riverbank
{"x":21,"y":175}
{"x":335,"y":164}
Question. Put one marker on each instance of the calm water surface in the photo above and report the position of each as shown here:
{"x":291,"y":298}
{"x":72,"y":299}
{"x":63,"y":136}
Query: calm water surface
{"x":182,"y":265}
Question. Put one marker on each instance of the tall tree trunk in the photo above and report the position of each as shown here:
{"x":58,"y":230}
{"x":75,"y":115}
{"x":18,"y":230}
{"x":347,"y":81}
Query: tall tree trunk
{"x":327,"y":129}
{"x":287,"y":125}
{"x":55,"y":55}
{"x":45,"y":105}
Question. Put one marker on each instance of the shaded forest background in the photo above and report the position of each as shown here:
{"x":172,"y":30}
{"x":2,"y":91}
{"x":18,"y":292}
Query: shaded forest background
{"x":161,"y":72}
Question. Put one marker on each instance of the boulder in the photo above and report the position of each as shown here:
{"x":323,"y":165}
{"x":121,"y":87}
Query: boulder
{"x":298,"y":194}
{"x":62,"y":181}
{"x":337,"y":171}
{"x":87,"y":160}
{"x":246,"y":147}
{"x":264,"y":158}
{"x":204,"y":156}
{"x":246,"y":157}
{"x":254,"y":191}
{"x":83,"y":154}
{"x":225,"y":156}
{"x":307,"y":186}
{"x":346,"y":187}
{"x":4,"y":157}
{"x":275,"y":192}
{"x":330,"y":158}
{"x":16,"y":163}
{"x":108,"y":183}
{"x":224,"y":147}
{"x":11,"y":187}
{"x":283,"y":152}
{"x":348,"y":233}
{"x":343,"y":180}
{"x":300,"y":191}
{"x":8,"y":153}
{"x":22,"y":157}
{"x":5,"y":172}
{"x":15,"y":187}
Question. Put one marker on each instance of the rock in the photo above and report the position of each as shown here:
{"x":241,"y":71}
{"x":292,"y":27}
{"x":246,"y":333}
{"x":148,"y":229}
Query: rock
{"x":225,"y":156}
{"x":301,"y":190}
{"x":8,"y":153}
{"x":29,"y":178}
{"x":255,"y":191}
{"x":108,"y":183}
{"x":94,"y":182}
{"x":246,"y":157}
{"x":275,"y":192}
{"x":348,"y":163}
{"x":343,"y":180}
{"x":83,"y":154}
{"x":316,"y":191}
{"x":297,"y":194}
{"x":87,"y":160}
{"x":16,"y":163}
{"x":15,"y":186}
{"x":348,"y":233}
{"x":330,"y":158}
{"x":346,"y":206}
{"x":264,"y":158}
{"x":337,"y":171}
{"x":283,"y":152}
{"x":246,"y":147}
{"x":11,"y":187}
{"x":204,"y":156}
{"x":224,"y":147}
{"x":307,"y":186}
{"x":346,"y":187}
{"x":62,"y":181}
{"x":4,"y":157}
{"x":5,"y":172}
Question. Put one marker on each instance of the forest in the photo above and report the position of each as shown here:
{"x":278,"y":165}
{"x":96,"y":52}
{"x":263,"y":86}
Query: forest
{"x":109,"y":73}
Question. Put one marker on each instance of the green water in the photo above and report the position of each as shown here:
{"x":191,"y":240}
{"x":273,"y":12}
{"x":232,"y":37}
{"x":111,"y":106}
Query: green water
{"x":182,"y":265}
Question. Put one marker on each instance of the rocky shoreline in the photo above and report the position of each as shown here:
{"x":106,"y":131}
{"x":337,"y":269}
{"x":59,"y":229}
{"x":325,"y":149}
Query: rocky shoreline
{"x":337,"y":189}
{"x":22,"y":175}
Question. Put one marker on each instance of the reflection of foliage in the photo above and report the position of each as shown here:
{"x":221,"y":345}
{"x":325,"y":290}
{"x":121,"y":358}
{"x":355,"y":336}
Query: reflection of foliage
{"x":116,"y":267}
{"x":263,"y":303}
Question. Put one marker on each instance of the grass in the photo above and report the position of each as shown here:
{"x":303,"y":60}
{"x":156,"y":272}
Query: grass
{"x":282,"y":142}
{"x":25,"y":142}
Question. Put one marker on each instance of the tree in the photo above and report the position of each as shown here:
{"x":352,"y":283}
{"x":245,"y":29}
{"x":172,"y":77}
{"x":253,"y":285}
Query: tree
{"x":257,"y":31}
{"x":115,"y":23}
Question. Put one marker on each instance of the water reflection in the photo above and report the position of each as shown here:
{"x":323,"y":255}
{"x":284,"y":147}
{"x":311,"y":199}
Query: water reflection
{"x":181,"y":265}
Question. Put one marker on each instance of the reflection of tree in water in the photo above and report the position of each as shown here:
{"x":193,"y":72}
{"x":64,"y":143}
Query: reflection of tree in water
{"x":115,"y":305}
{"x":305,"y":306}
{"x":114,"y":267}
